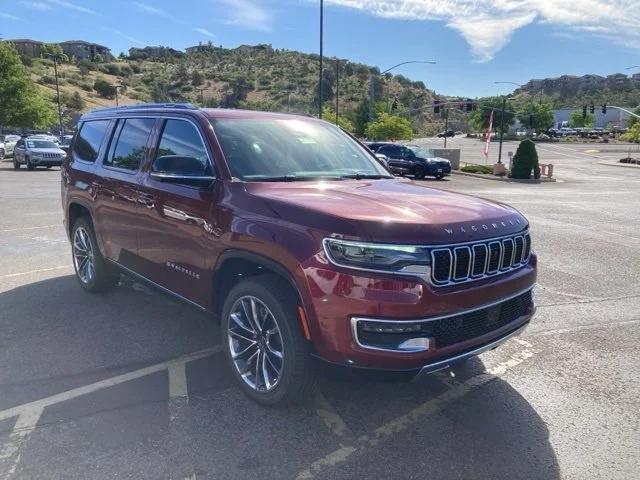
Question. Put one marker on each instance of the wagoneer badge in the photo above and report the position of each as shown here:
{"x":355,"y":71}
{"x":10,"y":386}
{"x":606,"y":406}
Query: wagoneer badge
{"x":483,"y":226}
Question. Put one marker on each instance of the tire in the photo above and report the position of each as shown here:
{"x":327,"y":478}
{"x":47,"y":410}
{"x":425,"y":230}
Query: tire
{"x":30,"y":166}
{"x":419,"y":172}
{"x":1,"y":153}
{"x":439,"y":177}
{"x":92,"y":271}
{"x":16,"y":165}
{"x":276,"y":303}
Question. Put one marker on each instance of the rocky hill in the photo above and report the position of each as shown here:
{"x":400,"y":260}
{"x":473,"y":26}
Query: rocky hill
{"x":573,"y":91}
{"x":254,"y":77}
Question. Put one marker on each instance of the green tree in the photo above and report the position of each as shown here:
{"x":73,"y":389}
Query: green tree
{"x":541,"y":114}
{"x":633,"y":120}
{"x":196,"y":78}
{"x":578,"y":120}
{"x":104,"y":88}
{"x":479,"y":118}
{"x":329,"y":114}
{"x":48,"y":50}
{"x":361,"y":118}
{"x":525,"y":161}
{"x":387,"y":127}
{"x":72,"y":101}
{"x":21,"y":103}
{"x":633,"y":135}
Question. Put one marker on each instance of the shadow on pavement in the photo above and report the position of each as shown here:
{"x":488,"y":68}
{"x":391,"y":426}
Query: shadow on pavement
{"x":55,"y":336}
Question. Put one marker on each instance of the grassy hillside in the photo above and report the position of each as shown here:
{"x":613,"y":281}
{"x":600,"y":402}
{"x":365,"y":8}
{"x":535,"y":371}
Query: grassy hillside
{"x":252,"y":77}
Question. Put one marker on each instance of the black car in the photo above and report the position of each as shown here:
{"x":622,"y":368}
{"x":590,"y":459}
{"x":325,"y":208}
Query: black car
{"x":447,"y":133}
{"x":414,"y":160}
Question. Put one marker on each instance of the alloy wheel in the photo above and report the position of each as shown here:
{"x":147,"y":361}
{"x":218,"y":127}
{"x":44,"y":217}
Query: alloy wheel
{"x":255,"y":344}
{"x":83,"y":255}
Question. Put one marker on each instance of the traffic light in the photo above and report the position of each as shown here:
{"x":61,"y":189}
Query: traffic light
{"x":394,"y":105}
{"x":592,"y":108}
{"x":604,"y":108}
{"x":584,"y":111}
{"x":436,"y":106}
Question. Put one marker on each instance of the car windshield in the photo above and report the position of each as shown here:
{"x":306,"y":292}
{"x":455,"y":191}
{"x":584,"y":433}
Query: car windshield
{"x":41,"y":144}
{"x":287,"y":149}
{"x":420,"y":151}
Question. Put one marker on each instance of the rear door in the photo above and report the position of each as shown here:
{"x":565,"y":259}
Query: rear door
{"x":396,"y":155}
{"x":116,"y":203}
{"x":178,"y":224}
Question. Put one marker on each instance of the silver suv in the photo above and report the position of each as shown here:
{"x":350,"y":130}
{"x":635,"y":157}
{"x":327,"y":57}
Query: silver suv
{"x":37,"y":152}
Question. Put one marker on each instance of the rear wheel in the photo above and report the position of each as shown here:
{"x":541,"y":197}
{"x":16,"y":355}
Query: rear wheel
{"x":264,"y":345}
{"x":419,"y":172}
{"x":92,"y":270}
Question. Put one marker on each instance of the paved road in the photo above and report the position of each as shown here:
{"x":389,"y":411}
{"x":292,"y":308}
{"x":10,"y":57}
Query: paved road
{"x":130,"y":384}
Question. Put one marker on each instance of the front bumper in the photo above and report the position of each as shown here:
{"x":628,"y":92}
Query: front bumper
{"x":46,"y":162}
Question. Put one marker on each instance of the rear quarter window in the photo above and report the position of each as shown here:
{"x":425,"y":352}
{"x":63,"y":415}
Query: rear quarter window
{"x":89,"y":140}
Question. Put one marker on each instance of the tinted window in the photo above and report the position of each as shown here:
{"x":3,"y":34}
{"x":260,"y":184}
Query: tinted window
{"x":130,"y":144}
{"x":89,"y":139}
{"x":181,"y":150}
{"x":391,"y":151}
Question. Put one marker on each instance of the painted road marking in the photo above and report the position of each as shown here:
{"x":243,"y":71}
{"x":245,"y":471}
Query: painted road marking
{"x":20,"y":229}
{"x":106,"y":383}
{"x":333,"y":420}
{"x":11,"y":452}
{"x":40,"y":270}
{"x":405,"y":421}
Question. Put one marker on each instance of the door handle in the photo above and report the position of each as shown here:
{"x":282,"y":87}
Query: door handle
{"x":146,"y":200}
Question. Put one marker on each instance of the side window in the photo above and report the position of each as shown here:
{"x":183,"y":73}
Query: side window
{"x":88,"y":141}
{"x":181,"y":151}
{"x":19,"y":144}
{"x":129,"y":143}
{"x":392,"y":151}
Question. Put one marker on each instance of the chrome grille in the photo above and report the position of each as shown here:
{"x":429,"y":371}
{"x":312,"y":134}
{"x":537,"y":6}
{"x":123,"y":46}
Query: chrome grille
{"x":461,"y":263}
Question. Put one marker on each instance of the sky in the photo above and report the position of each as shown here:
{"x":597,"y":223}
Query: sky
{"x":473,"y":42}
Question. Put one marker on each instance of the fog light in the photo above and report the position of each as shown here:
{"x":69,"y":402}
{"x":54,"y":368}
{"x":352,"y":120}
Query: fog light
{"x":415,"y":345}
{"x":376,"y":327}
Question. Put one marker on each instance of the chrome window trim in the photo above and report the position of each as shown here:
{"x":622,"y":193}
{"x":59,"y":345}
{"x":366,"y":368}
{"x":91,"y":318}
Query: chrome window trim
{"x":355,"y":320}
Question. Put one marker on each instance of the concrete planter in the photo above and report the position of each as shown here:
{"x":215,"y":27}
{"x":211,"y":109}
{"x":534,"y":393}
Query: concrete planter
{"x":451,"y":154}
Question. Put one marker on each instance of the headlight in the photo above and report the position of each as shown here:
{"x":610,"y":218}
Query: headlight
{"x":381,"y":257}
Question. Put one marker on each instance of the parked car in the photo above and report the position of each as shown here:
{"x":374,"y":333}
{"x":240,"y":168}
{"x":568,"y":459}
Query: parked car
{"x":65,"y":143}
{"x":37,"y":152}
{"x":10,"y":143}
{"x":1,"y":149}
{"x":289,"y":233}
{"x":414,"y":160}
{"x":447,"y":133}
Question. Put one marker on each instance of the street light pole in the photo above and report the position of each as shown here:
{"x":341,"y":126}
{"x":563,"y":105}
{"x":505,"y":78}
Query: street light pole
{"x":321,"y":59}
{"x":504,"y":105}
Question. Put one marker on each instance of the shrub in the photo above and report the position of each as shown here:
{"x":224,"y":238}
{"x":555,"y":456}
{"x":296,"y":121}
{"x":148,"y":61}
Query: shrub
{"x":104,"y":88}
{"x":390,"y":127}
{"x":525,"y":161}
{"x":484,"y":169}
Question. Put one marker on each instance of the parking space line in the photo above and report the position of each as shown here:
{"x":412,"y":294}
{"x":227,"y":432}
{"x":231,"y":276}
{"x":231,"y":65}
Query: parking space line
{"x":409,"y":419}
{"x":20,"y":229}
{"x":40,"y":270}
{"x":106,"y":383}
{"x":11,"y":452}
{"x":178,"y":380}
{"x":332,"y":419}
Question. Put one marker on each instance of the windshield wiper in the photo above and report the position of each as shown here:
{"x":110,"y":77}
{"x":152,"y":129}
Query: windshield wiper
{"x":365,"y":176}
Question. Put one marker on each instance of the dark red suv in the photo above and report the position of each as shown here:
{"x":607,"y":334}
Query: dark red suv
{"x":290,"y":233}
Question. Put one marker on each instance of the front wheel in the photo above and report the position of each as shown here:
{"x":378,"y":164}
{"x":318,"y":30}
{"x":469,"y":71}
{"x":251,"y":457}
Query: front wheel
{"x":30,"y":166}
{"x":419,"y":172}
{"x":264,"y":345}
{"x":92,"y":270}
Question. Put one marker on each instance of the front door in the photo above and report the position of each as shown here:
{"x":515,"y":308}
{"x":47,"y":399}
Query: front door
{"x":177,"y":230}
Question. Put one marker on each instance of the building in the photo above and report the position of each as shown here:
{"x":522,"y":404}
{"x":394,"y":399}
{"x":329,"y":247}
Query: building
{"x":613,"y":117}
{"x":80,"y":50}
{"x":27,"y":47}
{"x":153,"y":53}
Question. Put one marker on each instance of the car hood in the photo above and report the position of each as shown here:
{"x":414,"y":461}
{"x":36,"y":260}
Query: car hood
{"x":45,"y":150}
{"x":393,"y":210}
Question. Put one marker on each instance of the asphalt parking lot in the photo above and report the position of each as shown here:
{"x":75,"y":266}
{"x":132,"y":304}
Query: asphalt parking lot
{"x":131,"y":384}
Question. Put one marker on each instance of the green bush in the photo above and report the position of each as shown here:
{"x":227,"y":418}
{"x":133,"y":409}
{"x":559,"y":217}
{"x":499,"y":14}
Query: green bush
{"x":104,"y":88}
{"x":525,"y":161}
{"x":485,"y":169}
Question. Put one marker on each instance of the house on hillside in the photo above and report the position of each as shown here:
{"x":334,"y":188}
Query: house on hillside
{"x":153,"y":53}
{"x":26,"y":46}
{"x":80,"y":50}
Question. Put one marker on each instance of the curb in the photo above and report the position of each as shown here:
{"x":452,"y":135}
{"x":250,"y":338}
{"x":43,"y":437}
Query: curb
{"x":489,"y":176}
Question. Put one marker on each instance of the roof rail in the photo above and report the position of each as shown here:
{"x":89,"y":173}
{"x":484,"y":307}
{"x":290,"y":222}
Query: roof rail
{"x":146,"y":106}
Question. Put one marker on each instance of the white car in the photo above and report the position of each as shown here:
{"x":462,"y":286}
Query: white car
{"x":1,"y":149}
{"x":9,"y":144}
{"x":37,"y":152}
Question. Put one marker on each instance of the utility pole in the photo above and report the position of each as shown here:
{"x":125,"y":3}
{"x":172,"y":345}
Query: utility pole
{"x":446,"y":125}
{"x":201,"y":90}
{"x":55,"y":69}
{"x":504,"y":105}
{"x":337,"y":88}
{"x":321,"y":59}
